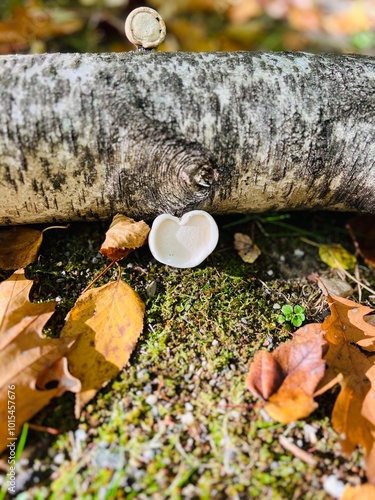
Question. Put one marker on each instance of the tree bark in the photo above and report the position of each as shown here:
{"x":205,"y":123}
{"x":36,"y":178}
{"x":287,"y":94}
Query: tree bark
{"x":86,"y":136}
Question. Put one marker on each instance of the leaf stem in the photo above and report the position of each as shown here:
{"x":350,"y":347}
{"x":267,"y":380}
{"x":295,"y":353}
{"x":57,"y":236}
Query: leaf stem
{"x":118,"y":271}
{"x":112,"y":263}
{"x":329,"y":385}
{"x":309,"y":242}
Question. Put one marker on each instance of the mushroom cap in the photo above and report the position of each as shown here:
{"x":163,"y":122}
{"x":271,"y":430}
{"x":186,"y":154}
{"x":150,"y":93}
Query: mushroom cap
{"x":184,"y":242}
{"x":145,"y":28}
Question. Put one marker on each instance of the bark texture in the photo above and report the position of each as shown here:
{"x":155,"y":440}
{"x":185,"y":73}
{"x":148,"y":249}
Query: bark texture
{"x":88,"y":135}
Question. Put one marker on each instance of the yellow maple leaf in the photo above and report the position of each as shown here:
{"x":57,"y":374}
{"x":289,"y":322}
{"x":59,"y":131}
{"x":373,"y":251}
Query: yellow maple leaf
{"x":109,"y":320}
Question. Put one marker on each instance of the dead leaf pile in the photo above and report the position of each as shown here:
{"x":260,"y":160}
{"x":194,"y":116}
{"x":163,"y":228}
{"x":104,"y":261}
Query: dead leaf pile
{"x":96,"y":342}
{"x":340,"y":350}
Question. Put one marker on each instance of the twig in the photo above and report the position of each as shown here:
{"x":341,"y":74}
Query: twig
{"x":303,"y":455}
{"x":55,"y":227}
{"x":359,"y":283}
{"x":41,"y":428}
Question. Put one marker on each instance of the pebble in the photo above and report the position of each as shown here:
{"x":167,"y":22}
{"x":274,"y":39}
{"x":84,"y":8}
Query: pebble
{"x":309,"y":433}
{"x":80,"y":435}
{"x":333,"y":486}
{"x":151,"y":289}
{"x":59,"y":459}
{"x":149,"y":455}
{"x":337,"y":287}
{"x":299,"y":253}
{"x":151,"y":399}
{"x":187,"y":418}
{"x":189,"y":407}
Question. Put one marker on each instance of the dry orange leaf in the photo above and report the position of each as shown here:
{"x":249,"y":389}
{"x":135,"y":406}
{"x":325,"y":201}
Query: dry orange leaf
{"x":17,"y":313}
{"x":26,"y":357}
{"x":288,"y":380}
{"x":362,"y":492}
{"x":265,"y":375}
{"x":123,"y":236}
{"x":109,"y":320}
{"x":19,"y":246}
{"x":348,"y":335}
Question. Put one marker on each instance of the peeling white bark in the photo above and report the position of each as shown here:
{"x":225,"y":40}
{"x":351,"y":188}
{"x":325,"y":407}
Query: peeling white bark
{"x":85,"y":136}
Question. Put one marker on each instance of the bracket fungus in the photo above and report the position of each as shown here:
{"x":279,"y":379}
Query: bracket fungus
{"x":184,"y":242}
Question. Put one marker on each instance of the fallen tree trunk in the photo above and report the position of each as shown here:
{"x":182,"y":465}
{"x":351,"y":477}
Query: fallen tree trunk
{"x":86,"y":136}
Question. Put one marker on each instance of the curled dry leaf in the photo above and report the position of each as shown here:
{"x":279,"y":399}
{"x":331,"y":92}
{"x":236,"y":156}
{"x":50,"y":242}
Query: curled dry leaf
{"x":29,"y":362}
{"x":19,"y":246}
{"x":109,"y":320}
{"x":123,"y":236}
{"x":287,"y":377}
{"x":246,"y":248}
{"x":265,"y":375}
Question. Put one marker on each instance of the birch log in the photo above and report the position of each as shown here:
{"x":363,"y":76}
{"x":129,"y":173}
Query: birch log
{"x":86,"y":136}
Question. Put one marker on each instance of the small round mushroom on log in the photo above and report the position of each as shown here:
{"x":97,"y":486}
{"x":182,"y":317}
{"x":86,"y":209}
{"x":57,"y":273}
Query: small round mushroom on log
{"x":84,"y":136}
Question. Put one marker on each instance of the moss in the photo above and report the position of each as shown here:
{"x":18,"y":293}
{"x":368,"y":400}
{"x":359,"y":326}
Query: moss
{"x":178,"y":422}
